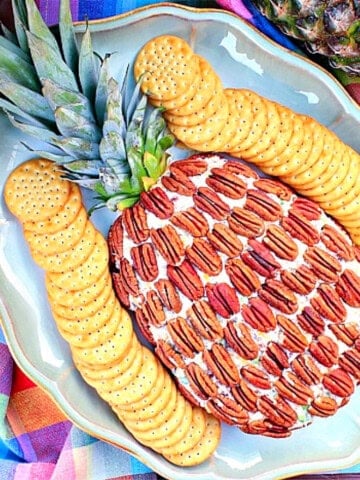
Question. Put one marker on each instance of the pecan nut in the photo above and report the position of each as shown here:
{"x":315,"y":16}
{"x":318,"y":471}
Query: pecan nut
{"x":255,"y":377}
{"x":185,"y":278}
{"x":223,"y":299}
{"x":302,"y":280}
{"x":168,"y":295}
{"x":200,"y":382}
{"x":350,"y":362}
{"x":115,"y":241}
{"x":306,"y":369}
{"x":245,"y":223}
{"x":153,"y":310}
{"x":275,"y":293}
{"x":204,"y":320}
{"x":323,"y":406}
{"x":203,"y":255}
{"x":294,"y":339}
{"x":225,"y":240}
{"x":273,"y":186}
{"x":145,"y":262}
{"x":192,"y":166}
{"x":144,"y":326}
{"x":278,"y":411}
{"x":348,"y":287}
{"x":227,"y":410}
{"x":279,"y":242}
{"x":208,"y":201}
{"x":135,"y":223}
{"x":178,"y":182}
{"x":260,"y":259}
{"x":346,"y":332}
{"x":243,"y":277}
{"x":120,"y":291}
{"x":157,"y":202}
{"x":274,"y":359}
{"x":221,"y":364}
{"x":245,"y":396}
{"x":192,"y":221}
{"x":168,"y":356}
{"x":311,"y":321}
{"x":128,"y":278}
{"x":168,"y":243}
{"x":185,"y":338}
{"x":325,"y":265}
{"x":263,"y":205}
{"x":328,"y":303}
{"x":240,"y":169}
{"x":240,"y":340}
{"x":339,"y":382}
{"x":225,"y":182}
{"x":335,"y":241}
{"x":307,"y":208}
{"x":258,"y":315}
{"x":291,"y":388}
{"x":298,"y":226}
{"x":325,"y":350}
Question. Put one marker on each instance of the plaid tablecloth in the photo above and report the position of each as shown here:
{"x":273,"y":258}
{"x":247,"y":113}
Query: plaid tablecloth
{"x":36,"y":441}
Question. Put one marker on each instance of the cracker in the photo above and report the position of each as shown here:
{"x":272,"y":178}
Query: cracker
{"x":35,"y":190}
{"x":240,"y":110}
{"x":60,"y":219}
{"x":167,"y":67}
{"x":86,"y":273}
{"x":59,"y":242}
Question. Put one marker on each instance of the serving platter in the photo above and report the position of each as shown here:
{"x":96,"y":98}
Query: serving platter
{"x":243,"y":58}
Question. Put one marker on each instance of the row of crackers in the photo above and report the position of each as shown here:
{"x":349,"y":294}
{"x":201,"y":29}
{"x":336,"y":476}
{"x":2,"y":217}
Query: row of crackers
{"x":105,"y":348}
{"x":206,"y":117}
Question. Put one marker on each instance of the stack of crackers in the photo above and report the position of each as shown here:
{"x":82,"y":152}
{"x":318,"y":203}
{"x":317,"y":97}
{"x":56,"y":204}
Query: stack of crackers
{"x":105,"y":348}
{"x":206,"y":117}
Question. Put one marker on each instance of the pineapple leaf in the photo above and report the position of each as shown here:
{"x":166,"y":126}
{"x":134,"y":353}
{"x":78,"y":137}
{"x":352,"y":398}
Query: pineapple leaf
{"x":101,"y":94}
{"x":37,"y":26}
{"x":137,"y":168}
{"x":20,"y":22}
{"x":9,"y":35}
{"x":12,"y":47}
{"x":33,"y":130}
{"x":18,"y":113}
{"x":155,"y":126}
{"x":79,"y":148}
{"x":124,"y":203}
{"x":67,"y":36}
{"x":112,"y":150}
{"x":152,"y":165}
{"x":88,"y":71}
{"x":49,"y":63}
{"x":85,"y":167}
{"x":114,"y":119}
{"x":17,"y":70}
{"x":54,"y":157}
{"x":73,"y":124}
{"x":32,"y":102}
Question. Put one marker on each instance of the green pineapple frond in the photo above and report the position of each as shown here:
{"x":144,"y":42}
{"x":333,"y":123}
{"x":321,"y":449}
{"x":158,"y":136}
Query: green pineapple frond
{"x":102,"y":131}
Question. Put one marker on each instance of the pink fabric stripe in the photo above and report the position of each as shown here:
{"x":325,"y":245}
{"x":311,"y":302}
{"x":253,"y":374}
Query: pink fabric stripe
{"x":34,"y":471}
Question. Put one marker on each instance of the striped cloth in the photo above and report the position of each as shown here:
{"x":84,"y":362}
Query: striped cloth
{"x":36,"y":441}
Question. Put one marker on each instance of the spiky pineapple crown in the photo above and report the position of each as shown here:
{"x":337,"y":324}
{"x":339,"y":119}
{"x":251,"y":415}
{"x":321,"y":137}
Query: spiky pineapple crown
{"x":102,"y":132}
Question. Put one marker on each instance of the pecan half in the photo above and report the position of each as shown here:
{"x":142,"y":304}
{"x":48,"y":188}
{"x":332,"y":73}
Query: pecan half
{"x":144,"y":326}
{"x":350,"y":362}
{"x":258,"y":315}
{"x":225,"y":240}
{"x":185,"y":338}
{"x":178,"y":182}
{"x":255,"y":377}
{"x":275,"y":293}
{"x":279,"y":242}
{"x":192,"y":221}
{"x":348,"y":287}
{"x":260,"y":259}
{"x":274,"y":359}
{"x":185,"y":278}
{"x":298,"y":226}
{"x":323,"y":406}
{"x":325,"y":350}
{"x":144,"y":261}
{"x":239,"y":339}
{"x":307,"y":208}
{"x":204,"y":320}
{"x":157,"y":202}
{"x":273,"y":186}
{"x":120,"y":291}
{"x":293,"y":339}
{"x":227,"y":410}
{"x":227,"y":183}
{"x":169,"y":244}
{"x":168,"y":356}
{"x":293,"y":389}
{"x":203,"y":255}
{"x":325,"y":265}
{"x":328,"y":303}
{"x":208,"y":201}
{"x":240,"y":169}
{"x":337,"y":242}
{"x":338,"y":382}
{"x":306,"y":369}
{"x":128,"y":278}
{"x":278,"y":411}
{"x":311,"y":321}
{"x":263,"y":205}
{"x":245,"y":223}
{"x":135,"y":223}
{"x":346,"y":332}
{"x":200,"y":382}
{"x":168,"y":295}
{"x":302,"y":280}
{"x":223,"y":299}
{"x":153,"y":310}
{"x":115,"y":241}
{"x":245,"y":396}
{"x":192,"y":166}
{"x":244,"y":279}
{"x":220,"y":362}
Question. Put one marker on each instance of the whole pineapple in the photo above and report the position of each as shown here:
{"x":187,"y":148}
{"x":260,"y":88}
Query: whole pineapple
{"x":61,"y":92}
{"x":328,"y":27}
